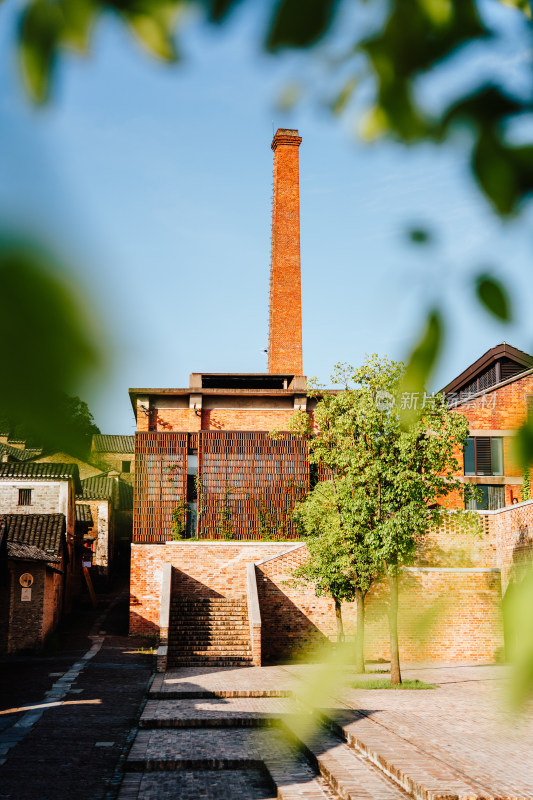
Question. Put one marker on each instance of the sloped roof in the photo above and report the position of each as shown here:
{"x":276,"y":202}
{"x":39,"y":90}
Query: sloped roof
{"x":99,"y":487}
{"x":45,"y":532}
{"x":42,"y":470}
{"x":111,"y":443}
{"x":83,"y":513}
{"x":125,"y":495}
{"x":27,"y":552}
{"x":521,"y":359}
{"x":17,"y":453}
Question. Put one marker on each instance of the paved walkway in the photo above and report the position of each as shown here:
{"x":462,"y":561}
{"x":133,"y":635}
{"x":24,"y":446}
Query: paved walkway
{"x":457,"y":740}
{"x":66,"y":715}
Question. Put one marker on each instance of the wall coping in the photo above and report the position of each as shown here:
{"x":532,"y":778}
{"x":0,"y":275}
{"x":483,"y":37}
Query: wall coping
{"x":224,"y":543}
{"x":451,"y":569}
{"x":297,"y":546}
{"x":507,"y":508}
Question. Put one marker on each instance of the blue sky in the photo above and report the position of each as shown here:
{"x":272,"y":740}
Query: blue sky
{"x":155,"y":181}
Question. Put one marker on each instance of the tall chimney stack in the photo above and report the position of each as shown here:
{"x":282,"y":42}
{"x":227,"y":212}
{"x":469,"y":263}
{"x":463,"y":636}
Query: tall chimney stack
{"x":285,"y":318}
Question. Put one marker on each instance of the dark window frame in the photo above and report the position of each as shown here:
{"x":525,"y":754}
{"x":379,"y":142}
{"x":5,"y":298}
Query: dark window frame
{"x":24,"y":497}
{"x":484,"y":451}
{"x":124,"y":463}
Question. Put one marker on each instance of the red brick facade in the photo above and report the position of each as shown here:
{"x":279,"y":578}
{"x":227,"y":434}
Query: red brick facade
{"x":466,"y":624}
{"x":285,"y":321}
{"x":499,"y":412}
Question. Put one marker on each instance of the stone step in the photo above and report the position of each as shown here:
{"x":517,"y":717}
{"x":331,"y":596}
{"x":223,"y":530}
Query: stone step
{"x":419,"y":773}
{"x":348,"y":773}
{"x":234,"y":784}
{"x":209,"y":662}
{"x":211,"y":641}
{"x":215,"y":712}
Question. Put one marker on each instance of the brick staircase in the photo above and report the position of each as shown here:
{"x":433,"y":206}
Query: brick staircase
{"x":208,"y":631}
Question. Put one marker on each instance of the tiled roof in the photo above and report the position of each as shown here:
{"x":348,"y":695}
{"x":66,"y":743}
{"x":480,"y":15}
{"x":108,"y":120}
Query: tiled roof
{"x":83,"y":513}
{"x":27,"y":552}
{"x":41,"y":471}
{"x":45,"y":532}
{"x":125,"y":495}
{"x":110,"y":443}
{"x":99,"y":487}
{"x":17,"y":453}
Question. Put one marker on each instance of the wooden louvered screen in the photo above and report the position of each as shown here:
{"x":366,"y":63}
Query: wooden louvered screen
{"x":160,"y":483}
{"x":249,"y":484}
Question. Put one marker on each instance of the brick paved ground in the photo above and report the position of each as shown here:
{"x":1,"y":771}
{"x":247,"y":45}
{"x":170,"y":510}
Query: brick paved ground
{"x":72,"y":750}
{"x":459,"y":735}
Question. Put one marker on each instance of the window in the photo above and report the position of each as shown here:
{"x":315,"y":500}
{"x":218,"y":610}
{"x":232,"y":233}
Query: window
{"x":483,"y":455}
{"x":24,"y":497}
{"x":126,"y":466}
{"x":484,"y":498}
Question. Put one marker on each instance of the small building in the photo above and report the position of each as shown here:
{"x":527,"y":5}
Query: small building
{"x":29,"y":488}
{"x":113,"y":452}
{"x":85,"y":469}
{"x":34,"y":570}
{"x":104,"y":511}
{"x":495,"y":393}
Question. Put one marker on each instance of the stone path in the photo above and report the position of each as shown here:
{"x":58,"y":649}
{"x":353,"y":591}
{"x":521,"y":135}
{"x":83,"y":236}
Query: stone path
{"x":84,"y":716}
{"x":456,"y":741}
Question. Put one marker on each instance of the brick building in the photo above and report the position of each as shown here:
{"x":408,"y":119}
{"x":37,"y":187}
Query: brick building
{"x":496,"y":394}
{"x":214,"y":492}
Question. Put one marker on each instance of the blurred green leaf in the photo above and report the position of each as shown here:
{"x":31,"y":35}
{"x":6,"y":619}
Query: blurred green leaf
{"x":522,"y":5}
{"x":440,"y":12}
{"x":219,"y":9}
{"x":523,"y":444}
{"x":40,"y":31}
{"x":504,"y":173}
{"x":48,"y":344}
{"x":299,"y":23}
{"x":78,"y":19}
{"x":155,"y":30}
{"x":289,"y":96}
{"x":340,"y":102}
{"x":419,"y":236}
{"x":493,"y":297}
{"x":517,"y":606}
{"x":423,"y":357}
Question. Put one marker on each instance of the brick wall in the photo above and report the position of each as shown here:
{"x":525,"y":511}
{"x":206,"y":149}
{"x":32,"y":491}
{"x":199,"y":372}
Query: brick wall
{"x":460,"y":606}
{"x":511,"y":532}
{"x":45,"y":497}
{"x":246,"y":419}
{"x":201,"y":568}
{"x":26,"y":618}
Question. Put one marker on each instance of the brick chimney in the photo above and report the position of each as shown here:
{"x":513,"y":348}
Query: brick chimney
{"x":285,"y":318}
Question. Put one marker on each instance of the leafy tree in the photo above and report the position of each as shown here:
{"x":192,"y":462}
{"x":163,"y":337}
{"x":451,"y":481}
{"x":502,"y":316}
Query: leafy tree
{"x":341,"y":563}
{"x":398,"y":469}
{"x":74,"y":435}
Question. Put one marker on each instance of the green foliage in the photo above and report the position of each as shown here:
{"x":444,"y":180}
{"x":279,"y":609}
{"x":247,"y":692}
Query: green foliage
{"x":340,"y":561}
{"x":226,"y":516}
{"x":493,"y":296}
{"x":179,"y":521}
{"x":525,"y":491}
{"x":47,"y":349}
{"x":382,"y":683}
{"x":397,"y":472}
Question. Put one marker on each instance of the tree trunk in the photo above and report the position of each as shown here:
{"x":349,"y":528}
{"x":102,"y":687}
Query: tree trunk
{"x":340,"y":626}
{"x":395,"y":674}
{"x":360,"y":635}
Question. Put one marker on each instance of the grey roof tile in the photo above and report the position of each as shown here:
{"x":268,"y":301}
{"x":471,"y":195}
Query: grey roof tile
{"x":43,"y":531}
{"x":111,"y":443}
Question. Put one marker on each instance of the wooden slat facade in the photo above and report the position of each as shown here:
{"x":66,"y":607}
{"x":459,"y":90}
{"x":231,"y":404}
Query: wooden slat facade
{"x":160,"y":483}
{"x":248,"y":483}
